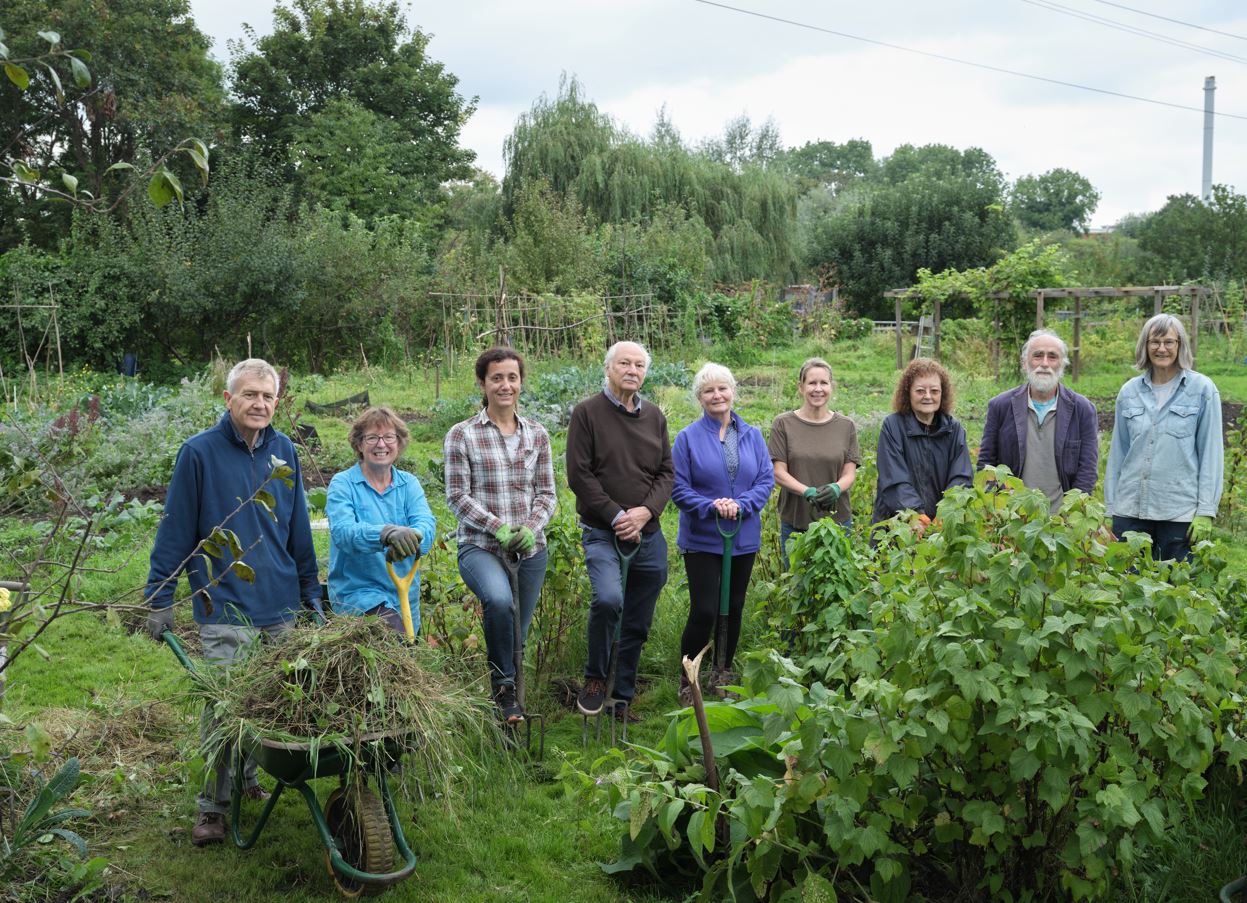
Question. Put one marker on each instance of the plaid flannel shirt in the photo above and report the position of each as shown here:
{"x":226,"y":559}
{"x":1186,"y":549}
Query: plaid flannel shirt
{"x":485,"y":488}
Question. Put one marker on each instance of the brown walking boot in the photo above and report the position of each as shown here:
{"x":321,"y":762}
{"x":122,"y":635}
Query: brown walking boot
{"x":210,"y":828}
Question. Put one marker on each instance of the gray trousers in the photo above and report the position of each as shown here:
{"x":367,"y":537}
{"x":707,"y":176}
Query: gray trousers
{"x":222,"y":643}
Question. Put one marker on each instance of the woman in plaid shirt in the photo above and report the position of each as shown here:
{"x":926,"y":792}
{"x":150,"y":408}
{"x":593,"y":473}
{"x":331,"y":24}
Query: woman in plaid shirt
{"x":500,"y":484}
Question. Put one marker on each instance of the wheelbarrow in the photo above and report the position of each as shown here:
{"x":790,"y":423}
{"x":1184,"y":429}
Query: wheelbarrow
{"x":610,"y":703}
{"x":511,"y":561}
{"x":359,"y":829}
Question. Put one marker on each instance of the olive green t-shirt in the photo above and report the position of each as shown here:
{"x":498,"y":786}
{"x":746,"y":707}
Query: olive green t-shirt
{"x":815,"y":453}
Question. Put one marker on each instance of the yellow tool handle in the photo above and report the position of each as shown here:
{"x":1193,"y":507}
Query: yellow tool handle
{"x":403,"y":585}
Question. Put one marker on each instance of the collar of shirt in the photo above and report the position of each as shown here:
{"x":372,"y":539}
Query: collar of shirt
{"x":482,"y":419}
{"x":619,"y":404}
{"x":1042,"y":408}
{"x":397,"y":477}
{"x":1177,"y":380}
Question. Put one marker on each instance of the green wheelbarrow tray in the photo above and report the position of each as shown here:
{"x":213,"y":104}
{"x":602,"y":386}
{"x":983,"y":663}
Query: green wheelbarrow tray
{"x":359,"y":830}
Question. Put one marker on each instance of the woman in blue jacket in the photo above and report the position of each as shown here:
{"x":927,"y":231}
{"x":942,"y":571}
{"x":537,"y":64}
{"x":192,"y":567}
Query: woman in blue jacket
{"x":377,"y":513}
{"x":1166,"y":463}
{"x":723,"y":476}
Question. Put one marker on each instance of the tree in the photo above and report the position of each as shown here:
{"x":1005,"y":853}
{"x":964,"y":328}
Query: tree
{"x":1058,"y":199}
{"x":338,"y":74}
{"x":1193,"y":239}
{"x":933,"y":207}
{"x":939,"y":161}
{"x":344,"y":155}
{"x":551,"y":246}
{"x":618,"y":178}
{"x":830,"y":166}
{"x":153,"y":84}
{"x":743,"y":145}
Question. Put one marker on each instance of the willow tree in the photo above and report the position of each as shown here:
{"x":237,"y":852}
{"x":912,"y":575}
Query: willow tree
{"x":617,"y":178}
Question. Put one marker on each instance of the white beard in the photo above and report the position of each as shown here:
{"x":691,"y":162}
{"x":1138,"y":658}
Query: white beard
{"x":1043,"y":383}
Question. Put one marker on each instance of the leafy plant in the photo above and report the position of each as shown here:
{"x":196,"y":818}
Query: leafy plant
{"x":1012,"y":707}
{"x":40,"y":823}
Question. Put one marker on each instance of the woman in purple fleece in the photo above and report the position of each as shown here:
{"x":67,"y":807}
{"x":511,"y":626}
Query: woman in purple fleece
{"x":723,"y":476}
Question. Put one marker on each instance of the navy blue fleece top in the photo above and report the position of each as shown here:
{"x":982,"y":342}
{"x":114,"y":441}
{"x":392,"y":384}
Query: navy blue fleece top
{"x":214,"y":472}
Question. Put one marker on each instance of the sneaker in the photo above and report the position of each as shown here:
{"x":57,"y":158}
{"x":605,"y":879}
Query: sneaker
{"x":256,"y":794}
{"x":210,"y":828}
{"x":623,"y":712}
{"x":592,"y":696}
{"x":508,"y":704}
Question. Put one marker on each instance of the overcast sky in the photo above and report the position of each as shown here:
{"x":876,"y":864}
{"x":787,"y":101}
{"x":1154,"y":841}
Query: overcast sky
{"x":708,"y":64}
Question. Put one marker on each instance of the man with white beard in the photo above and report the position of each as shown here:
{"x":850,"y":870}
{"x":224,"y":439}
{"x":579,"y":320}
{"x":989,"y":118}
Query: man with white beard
{"x":1042,"y":431}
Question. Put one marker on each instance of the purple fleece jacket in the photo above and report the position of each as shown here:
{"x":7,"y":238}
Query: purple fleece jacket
{"x":701,"y":477}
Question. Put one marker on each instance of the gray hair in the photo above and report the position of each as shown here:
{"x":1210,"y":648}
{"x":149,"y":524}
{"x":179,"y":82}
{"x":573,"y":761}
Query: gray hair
{"x":1039,"y":334}
{"x":1155,"y":328}
{"x":712,"y":373}
{"x":613,"y":351}
{"x":252,"y":366}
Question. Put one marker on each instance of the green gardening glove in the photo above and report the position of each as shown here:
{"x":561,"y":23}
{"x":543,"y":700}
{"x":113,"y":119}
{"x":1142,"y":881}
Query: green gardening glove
{"x":504,"y":535}
{"x":1200,"y":529}
{"x":810,"y":494}
{"x":522,"y":541}
{"x":828,"y":495}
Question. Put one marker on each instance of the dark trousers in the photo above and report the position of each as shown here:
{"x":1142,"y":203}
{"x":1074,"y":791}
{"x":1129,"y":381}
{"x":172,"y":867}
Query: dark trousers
{"x":1169,"y":541}
{"x":705,"y":582}
{"x":630,"y":608}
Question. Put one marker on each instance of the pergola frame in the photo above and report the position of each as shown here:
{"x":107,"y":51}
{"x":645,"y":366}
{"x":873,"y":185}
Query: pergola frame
{"x":1158,"y":293}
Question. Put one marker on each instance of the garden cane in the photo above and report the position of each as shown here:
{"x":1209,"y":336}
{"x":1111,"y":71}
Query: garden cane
{"x":511,"y":561}
{"x":403,"y":585}
{"x":608,"y":706}
{"x":725,"y":585}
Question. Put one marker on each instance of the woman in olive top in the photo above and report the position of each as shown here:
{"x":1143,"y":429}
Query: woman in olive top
{"x":815,"y":454}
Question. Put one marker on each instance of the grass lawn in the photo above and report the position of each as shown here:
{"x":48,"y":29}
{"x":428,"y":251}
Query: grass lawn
{"x":117,"y":699}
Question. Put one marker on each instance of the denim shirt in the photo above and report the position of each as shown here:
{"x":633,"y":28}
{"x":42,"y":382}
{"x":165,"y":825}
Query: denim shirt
{"x":358,"y":578}
{"x":1166,"y":464}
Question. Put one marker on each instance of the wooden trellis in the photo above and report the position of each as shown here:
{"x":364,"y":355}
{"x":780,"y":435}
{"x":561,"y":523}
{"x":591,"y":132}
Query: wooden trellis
{"x":549,"y":325}
{"x":1158,"y":293}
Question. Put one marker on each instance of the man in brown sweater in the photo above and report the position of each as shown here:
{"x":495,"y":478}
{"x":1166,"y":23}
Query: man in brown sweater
{"x":619,"y":466}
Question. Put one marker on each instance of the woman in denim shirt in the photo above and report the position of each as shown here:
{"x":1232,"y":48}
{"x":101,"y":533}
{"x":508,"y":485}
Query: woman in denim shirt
{"x":1166,"y":460}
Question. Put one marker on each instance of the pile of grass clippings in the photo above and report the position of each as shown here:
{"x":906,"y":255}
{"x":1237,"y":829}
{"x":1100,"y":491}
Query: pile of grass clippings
{"x":344,"y":684}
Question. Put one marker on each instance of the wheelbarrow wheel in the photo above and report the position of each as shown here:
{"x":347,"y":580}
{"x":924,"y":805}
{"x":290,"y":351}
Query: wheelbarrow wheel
{"x":358,"y":823}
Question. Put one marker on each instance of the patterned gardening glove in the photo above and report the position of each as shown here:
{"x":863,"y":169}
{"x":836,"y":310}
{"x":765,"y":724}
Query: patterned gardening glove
{"x":401,"y":542}
{"x":522,"y":541}
{"x":828,"y":495}
{"x":504,"y":535}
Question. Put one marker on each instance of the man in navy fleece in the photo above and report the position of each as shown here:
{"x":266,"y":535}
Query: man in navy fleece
{"x":216,"y":472}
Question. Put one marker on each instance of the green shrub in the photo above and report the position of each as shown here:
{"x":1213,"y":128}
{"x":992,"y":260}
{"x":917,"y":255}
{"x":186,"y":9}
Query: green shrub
{"x":1012,"y":707}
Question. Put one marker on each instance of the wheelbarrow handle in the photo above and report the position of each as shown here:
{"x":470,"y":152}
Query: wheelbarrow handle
{"x":175,"y":644}
{"x":403,"y":585}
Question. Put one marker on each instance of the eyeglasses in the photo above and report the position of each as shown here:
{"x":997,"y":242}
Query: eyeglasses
{"x":1167,"y":344}
{"x":388,"y":439}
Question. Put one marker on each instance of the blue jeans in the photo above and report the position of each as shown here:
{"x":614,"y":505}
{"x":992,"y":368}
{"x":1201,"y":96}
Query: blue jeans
{"x":486,"y":576}
{"x":630,"y":608}
{"x":222,"y":643}
{"x":1169,"y":540}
